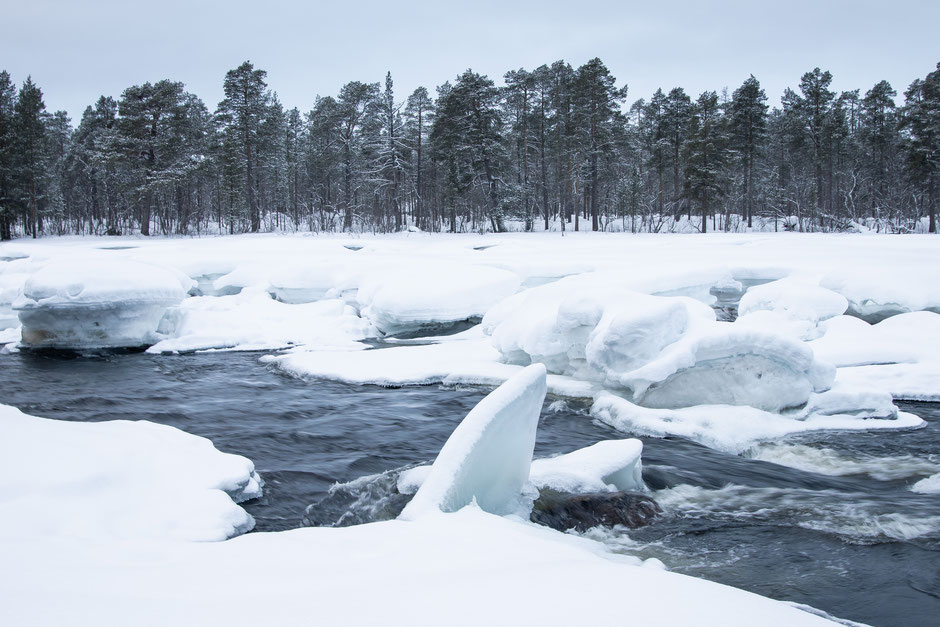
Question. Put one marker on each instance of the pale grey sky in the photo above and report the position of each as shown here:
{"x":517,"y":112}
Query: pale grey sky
{"x":78,"y":50}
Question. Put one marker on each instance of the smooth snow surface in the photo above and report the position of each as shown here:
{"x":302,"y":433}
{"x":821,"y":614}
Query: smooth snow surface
{"x":607,"y":466}
{"x":119,"y":480}
{"x":735,"y":429}
{"x":486,"y":459}
{"x":253,"y":320}
{"x":468,"y":568}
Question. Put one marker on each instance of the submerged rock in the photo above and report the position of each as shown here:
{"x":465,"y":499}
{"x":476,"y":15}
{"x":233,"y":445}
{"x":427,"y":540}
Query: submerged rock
{"x":563,"y":511}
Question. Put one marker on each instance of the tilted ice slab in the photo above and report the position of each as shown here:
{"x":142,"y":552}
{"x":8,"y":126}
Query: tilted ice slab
{"x":737,"y":428}
{"x":118,"y":480}
{"x":607,"y":466}
{"x":666,"y":351}
{"x":486,"y":459}
{"x":96,"y":303}
{"x":252,"y":320}
{"x":406,"y":298}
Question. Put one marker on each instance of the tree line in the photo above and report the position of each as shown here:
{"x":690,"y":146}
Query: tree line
{"x":556,"y":147}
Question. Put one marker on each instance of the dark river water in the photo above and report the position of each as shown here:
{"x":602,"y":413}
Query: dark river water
{"x":860,"y":546}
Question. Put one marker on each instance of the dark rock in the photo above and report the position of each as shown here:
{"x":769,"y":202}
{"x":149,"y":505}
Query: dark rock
{"x":582,"y":511}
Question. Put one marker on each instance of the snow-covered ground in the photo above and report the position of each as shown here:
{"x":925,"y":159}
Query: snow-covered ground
{"x":448,"y":559}
{"x":831,"y":329}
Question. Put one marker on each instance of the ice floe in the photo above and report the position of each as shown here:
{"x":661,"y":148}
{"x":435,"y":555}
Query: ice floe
{"x":97,"y":304}
{"x":253,"y":320}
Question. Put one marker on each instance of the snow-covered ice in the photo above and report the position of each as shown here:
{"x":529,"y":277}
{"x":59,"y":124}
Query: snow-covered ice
{"x":253,"y":320}
{"x":408,"y":298}
{"x":486,"y":459}
{"x":96,"y":304}
{"x":735,"y":429}
{"x":663,"y":351}
{"x":607,"y":466}
{"x":119,"y":480}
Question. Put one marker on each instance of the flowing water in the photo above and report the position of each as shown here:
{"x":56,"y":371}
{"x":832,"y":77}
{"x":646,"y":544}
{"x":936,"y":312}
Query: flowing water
{"x":833,"y":524}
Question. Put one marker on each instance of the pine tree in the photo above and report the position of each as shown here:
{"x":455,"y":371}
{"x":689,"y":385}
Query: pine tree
{"x":7,"y":155}
{"x":922,"y":123}
{"x":749,"y":124}
{"x":598,"y":103}
{"x":419,"y":114}
{"x":706,"y":154}
{"x":241,"y":114}
{"x":30,"y":130}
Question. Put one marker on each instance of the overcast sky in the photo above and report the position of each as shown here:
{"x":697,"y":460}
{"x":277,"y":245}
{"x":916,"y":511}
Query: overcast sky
{"x":78,"y":50}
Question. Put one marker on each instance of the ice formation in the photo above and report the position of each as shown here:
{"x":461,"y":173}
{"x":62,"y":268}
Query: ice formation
{"x":119,"y":480}
{"x":253,"y":320}
{"x":737,"y":428}
{"x":607,"y":466}
{"x":664,"y":351}
{"x":97,"y":303}
{"x":408,"y":298}
{"x":486,"y":459}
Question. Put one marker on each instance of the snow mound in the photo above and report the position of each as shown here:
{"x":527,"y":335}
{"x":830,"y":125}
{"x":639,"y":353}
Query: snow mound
{"x":252,"y":320}
{"x":97,"y":304}
{"x":607,"y":466}
{"x":486,"y":459}
{"x":119,"y":480}
{"x":735,"y":429}
{"x":410,"y":298}
{"x":790,"y":304}
{"x":794,"y":298}
{"x":666,"y":351}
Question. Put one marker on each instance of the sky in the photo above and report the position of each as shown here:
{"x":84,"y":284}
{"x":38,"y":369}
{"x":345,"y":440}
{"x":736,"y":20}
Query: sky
{"x":78,"y":50}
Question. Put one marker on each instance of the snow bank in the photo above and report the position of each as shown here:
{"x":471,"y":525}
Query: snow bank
{"x":486,"y":459}
{"x":409,"y":298}
{"x":737,"y":428}
{"x":118,"y":480}
{"x":252,"y":320}
{"x":666,"y":351}
{"x":97,"y":304}
{"x":608,"y":466}
{"x":468,"y":568}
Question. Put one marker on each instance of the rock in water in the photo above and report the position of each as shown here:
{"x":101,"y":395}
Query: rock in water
{"x":582,"y":511}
